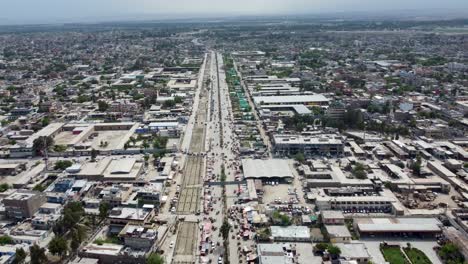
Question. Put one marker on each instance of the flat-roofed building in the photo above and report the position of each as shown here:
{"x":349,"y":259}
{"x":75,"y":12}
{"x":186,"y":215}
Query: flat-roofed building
{"x":270,"y":169}
{"x":284,"y":145}
{"x":138,"y":237}
{"x":122,"y":216}
{"x":290,"y":233}
{"x":332,"y":217}
{"x":338,"y":233}
{"x":275,"y":253}
{"x":412,"y":227}
{"x":23,"y":204}
{"x":309,"y":100}
{"x":11,"y":169}
{"x":354,"y":252}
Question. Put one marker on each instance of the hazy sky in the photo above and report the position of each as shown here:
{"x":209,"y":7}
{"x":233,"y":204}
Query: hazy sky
{"x":27,"y":11}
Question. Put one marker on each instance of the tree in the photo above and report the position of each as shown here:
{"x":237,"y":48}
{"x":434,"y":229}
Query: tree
{"x":62,"y":164}
{"x":4,"y":187}
{"x":58,"y":246}
{"x":41,"y":144}
{"x":38,"y":255}
{"x":4,"y":240}
{"x":280,"y":218}
{"x":334,"y":250}
{"x":169,"y":103}
{"x":451,"y":254}
{"x":225,"y":228}
{"x":102,"y":106}
{"x":74,"y":244}
{"x":103,"y":210}
{"x":94,"y":154}
{"x":416,"y":166}
{"x":321,"y":246}
{"x":359,"y":171}
{"x":299,"y":157}
{"x":145,"y":144}
{"x":45,"y":121}
{"x":178,"y":99}
{"x":155,"y":258}
{"x":72,"y":214}
{"x":20,"y":256}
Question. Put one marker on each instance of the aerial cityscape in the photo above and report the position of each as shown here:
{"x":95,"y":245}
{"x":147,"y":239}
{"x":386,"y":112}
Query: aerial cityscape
{"x":275,"y":139}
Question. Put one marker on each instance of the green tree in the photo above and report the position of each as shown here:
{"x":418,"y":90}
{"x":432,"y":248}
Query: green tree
{"x":334,"y":250}
{"x":38,"y":255}
{"x":72,"y":214}
{"x":299,"y":157}
{"x":169,"y":103}
{"x":416,"y":166}
{"x":155,"y":258}
{"x":178,"y":99}
{"x":225,"y":228}
{"x":359,"y":171}
{"x":103,"y":210}
{"x":20,"y":256}
{"x":94,"y":154}
{"x":58,"y":246}
{"x":45,"y":121}
{"x":41,"y":144}
{"x":74,"y":244}
{"x":102,"y":106}
{"x":62,"y":164}
{"x":4,"y":240}
{"x":451,"y":254}
{"x":4,"y":187}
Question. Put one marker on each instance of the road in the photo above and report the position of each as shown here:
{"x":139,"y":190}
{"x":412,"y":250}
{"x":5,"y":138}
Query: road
{"x":193,"y":160}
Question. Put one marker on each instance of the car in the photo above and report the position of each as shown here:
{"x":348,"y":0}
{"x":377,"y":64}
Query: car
{"x":171,"y":245}
{"x":220,"y":260}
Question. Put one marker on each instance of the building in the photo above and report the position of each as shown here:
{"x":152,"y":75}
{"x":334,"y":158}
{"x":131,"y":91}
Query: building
{"x":284,"y":145}
{"x":354,"y":252}
{"x":308,"y":100}
{"x":338,"y":233}
{"x":121,"y":216}
{"x":330,"y":217}
{"x":270,"y":169}
{"x":276,"y":254}
{"x":290,"y":233}
{"x":402,"y":227}
{"x":12,"y":169}
{"x":23,"y":204}
{"x":138,"y":237}
{"x":47,"y":216}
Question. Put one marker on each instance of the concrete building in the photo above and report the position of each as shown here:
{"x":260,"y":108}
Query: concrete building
{"x":308,"y":100}
{"x":276,"y":254}
{"x":290,"y":233}
{"x":138,"y":237}
{"x":23,"y":204}
{"x":271,"y":169}
{"x":284,"y":145}
{"x":330,"y":217}
{"x":354,"y":252}
{"x":338,"y":233}
{"x":402,"y":227}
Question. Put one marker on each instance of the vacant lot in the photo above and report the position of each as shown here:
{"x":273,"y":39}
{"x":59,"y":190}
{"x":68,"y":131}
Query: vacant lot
{"x":417,"y":256}
{"x":393,"y":255}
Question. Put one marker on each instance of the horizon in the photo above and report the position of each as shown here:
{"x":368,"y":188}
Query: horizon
{"x":58,"y":12}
